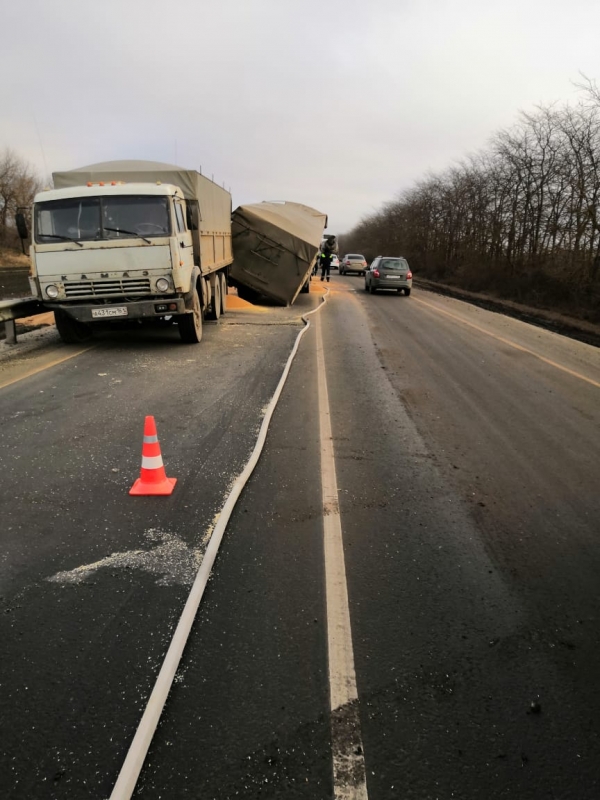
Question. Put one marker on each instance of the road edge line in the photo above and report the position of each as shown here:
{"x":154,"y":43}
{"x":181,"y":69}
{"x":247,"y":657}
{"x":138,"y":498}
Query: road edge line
{"x":510,"y":343}
{"x":37,"y":370}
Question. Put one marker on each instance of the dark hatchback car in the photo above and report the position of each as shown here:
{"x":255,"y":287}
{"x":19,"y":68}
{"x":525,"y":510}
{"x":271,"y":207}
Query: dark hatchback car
{"x":389,"y":272}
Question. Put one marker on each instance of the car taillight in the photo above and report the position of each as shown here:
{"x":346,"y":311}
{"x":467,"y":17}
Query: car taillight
{"x":376,"y":273}
{"x":364,"y":263}
{"x":408,"y":275}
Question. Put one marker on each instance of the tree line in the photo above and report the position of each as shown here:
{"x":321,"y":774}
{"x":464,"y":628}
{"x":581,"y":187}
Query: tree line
{"x":520,"y":218}
{"x":18,"y":184}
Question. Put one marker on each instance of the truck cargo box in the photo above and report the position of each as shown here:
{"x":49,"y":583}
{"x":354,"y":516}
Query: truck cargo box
{"x":274,"y":247}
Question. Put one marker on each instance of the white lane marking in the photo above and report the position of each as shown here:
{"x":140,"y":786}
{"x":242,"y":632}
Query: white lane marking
{"x":49,"y":365}
{"x":138,"y":750}
{"x":349,"y":774}
{"x":509,"y":342}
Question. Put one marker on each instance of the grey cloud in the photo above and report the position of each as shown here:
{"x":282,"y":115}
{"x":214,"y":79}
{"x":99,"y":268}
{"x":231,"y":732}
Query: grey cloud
{"x":337,"y":104}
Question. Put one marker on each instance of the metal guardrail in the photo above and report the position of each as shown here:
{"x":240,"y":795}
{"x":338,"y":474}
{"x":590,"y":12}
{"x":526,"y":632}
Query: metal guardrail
{"x":11,"y":310}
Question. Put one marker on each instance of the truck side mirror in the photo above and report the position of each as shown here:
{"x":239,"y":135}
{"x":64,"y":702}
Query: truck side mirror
{"x":21,"y":225}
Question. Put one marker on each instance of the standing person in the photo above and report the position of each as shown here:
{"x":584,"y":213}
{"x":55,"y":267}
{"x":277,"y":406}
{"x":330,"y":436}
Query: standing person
{"x":325,"y":265}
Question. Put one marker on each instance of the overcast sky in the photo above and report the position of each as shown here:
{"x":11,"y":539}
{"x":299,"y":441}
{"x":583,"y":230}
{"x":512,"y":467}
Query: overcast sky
{"x":339,"y":104}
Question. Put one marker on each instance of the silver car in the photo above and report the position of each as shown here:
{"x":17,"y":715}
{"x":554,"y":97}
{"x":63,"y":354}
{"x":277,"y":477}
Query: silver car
{"x":353,"y":262}
{"x":389,"y":272}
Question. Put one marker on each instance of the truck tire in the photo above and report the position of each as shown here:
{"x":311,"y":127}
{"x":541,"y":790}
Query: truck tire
{"x":214,"y":310}
{"x":70,"y":330}
{"x":223,"y":279}
{"x":190,"y":325}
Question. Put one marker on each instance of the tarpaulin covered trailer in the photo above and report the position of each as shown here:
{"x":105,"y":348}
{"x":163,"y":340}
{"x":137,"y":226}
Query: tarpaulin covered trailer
{"x":274,"y":247}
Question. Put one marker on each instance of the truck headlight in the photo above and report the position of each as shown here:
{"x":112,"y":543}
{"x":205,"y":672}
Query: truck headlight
{"x":52,"y":291}
{"x":162,"y":284}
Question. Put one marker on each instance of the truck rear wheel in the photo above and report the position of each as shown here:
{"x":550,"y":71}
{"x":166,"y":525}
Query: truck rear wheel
{"x":70,"y":330}
{"x":190,"y":325}
{"x":214,"y":311}
{"x":223,"y":280}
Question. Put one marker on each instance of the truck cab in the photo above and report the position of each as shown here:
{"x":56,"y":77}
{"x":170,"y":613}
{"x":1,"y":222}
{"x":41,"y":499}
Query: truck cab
{"x":131,"y":240}
{"x":97,"y":243}
{"x":121,"y":251}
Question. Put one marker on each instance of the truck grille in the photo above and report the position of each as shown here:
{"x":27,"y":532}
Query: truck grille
{"x":117,"y":286}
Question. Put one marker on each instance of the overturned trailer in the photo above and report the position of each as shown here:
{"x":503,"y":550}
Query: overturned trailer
{"x":274,"y":248}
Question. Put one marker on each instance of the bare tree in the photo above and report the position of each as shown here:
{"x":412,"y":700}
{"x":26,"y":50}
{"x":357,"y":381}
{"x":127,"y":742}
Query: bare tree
{"x":521,"y":217}
{"x":18,"y":185}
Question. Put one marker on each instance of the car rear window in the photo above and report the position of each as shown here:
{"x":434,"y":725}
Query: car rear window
{"x":394,"y":263}
{"x":355,"y":257}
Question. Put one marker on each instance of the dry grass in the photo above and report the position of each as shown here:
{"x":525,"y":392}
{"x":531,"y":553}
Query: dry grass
{"x":12,"y":258}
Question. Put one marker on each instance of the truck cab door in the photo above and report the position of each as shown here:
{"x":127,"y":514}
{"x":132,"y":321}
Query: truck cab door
{"x":185,"y":246}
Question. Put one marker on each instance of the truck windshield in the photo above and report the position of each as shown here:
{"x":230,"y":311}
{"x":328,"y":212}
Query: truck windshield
{"x":146,"y":215}
{"x":97,"y":218}
{"x":74,"y":219}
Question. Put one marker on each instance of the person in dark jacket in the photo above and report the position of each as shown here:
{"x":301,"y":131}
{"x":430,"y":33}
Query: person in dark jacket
{"x":325,"y":265}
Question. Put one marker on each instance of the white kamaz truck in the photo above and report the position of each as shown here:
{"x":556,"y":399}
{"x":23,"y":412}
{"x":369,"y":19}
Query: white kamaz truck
{"x":131,"y":240}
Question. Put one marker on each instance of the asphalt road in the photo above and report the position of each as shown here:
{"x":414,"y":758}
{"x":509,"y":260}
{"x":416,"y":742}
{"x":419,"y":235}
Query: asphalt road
{"x":14,"y":282}
{"x":467,"y":448}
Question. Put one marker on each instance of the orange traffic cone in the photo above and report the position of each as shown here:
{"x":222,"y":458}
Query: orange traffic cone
{"x":153,"y":479}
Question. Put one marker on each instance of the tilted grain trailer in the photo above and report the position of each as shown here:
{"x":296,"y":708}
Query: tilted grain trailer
{"x":274,"y":248}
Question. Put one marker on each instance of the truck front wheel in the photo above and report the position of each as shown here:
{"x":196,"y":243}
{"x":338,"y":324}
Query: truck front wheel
{"x":190,"y":325}
{"x":70,"y":330}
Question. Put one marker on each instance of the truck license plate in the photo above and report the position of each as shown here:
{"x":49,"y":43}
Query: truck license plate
{"x":115,"y":311}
